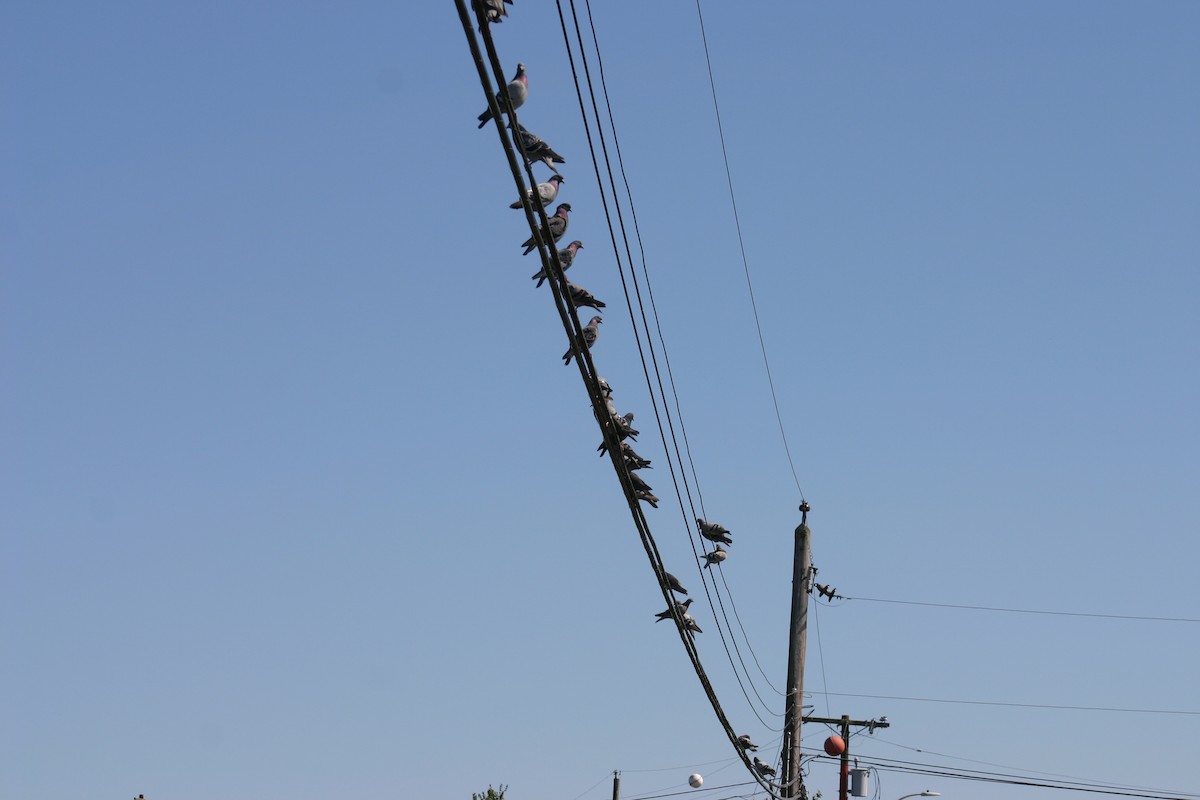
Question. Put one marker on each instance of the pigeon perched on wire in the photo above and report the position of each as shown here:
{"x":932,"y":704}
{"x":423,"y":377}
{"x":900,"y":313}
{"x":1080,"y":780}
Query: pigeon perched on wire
{"x":690,"y":624}
{"x":763,"y":768}
{"x":546,"y":192}
{"x":683,"y":607}
{"x":715,"y":557}
{"x":673,"y":583}
{"x":632,"y":460}
{"x":624,"y":429}
{"x":553,"y":230}
{"x":744,"y":741}
{"x":582,"y":298}
{"x":714,"y":532}
{"x":566,"y":257}
{"x":642,"y":494}
{"x":590,"y":332}
{"x":493,"y":10}
{"x":537,"y":150}
{"x":639,"y":485}
{"x":518,"y":91}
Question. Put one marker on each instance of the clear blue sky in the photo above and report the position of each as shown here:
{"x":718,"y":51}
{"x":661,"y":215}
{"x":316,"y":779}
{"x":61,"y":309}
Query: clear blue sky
{"x":298,"y":501}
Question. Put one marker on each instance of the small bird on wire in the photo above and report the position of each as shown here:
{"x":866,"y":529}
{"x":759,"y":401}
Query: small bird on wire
{"x":763,"y":768}
{"x":566,"y":257}
{"x":553,"y":230}
{"x":537,"y":150}
{"x":518,"y":92}
{"x":639,"y":485}
{"x":689,"y":623}
{"x":624,"y":430}
{"x":642,"y":494}
{"x":744,"y":741}
{"x":632,"y":460}
{"x":683,"y":607}
{"x":493,"y":10}
{"x":546,"y":192}
{"x":582,"y":298}
{"x":715,"y":557}
{"x":714,"y":532}
{"x":673,"y":583}
{"x":590,"y":332}
{"x":824,"y":591}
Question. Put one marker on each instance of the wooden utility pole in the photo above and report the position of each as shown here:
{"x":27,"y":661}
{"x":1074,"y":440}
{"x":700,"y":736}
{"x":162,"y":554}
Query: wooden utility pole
{"x":797,"y":633}
{"x":844,"y":722}
{"x":616,"y":784}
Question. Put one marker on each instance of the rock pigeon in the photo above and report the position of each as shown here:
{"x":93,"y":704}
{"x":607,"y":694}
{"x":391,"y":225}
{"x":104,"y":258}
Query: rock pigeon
{"x":639,"y":485}
{"x":763,"y":768}
{"x":673,"y":583}
{"x":689,"y":623}
{"x":713,"y":532}
{"x":493,"y":10}
{"x":632,"y":460}
{"x":518,"y":90}
{"x":744,"y":741}
{"x":683,"y":607}
{"x":582,"y":298}
{"x":605,"y":389}
{"x":715,"y":557}
{"x":590,"y":332}
{"x":566,"y":257}
{"x":537,"y":150}
{"x":546,"y":192}
{"x":557,"y":226}
{"x":642,"y":494}
{"x":625,"y":430}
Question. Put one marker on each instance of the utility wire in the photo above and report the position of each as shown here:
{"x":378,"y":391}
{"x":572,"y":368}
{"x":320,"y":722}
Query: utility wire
{"x":1016,"y":705}
{"x":1025,"y":610}
{"x":742,"y":246}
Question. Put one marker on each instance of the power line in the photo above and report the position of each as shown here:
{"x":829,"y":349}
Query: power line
{"x":742,"y":246}
{"x":1015,"y":705}
{"x":1025,"y":610}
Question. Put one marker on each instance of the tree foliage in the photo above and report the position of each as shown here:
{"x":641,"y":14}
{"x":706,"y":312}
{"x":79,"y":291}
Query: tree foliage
{"x":490,"y":794}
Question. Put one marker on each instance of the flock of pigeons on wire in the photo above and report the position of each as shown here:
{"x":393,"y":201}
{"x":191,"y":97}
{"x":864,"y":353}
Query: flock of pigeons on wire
{"x":536,"y":150}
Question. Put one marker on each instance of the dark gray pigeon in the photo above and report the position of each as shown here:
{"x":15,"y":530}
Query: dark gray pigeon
{"x":763,"y":768}
{"x":683,"y":607}
{"x":744,"y":741}
{"x":641,"y":494}
{"x":566,"y":257}
{"x":714,"y":532}
{"x":557,"y":226}
{"x":632,"y":460}
{"x":493,"y":10}
{"x":715,"y":557}
{"x":673,"y":583}
{"x":582,"y":298}
{"x":639,"y":485}
{"x":625,"y":430}
{"x":590,"y":332}
{"x":537,"y":150}
{"x":518,"y":91}
{"x":546,"y":192}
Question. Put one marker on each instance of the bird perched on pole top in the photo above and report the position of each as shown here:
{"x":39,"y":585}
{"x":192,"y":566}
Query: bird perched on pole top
{"x":546,"y":192}
{"x":713,"y":531}
{"x":590,"y":332}
{"x":552,"y":231}
{"x":518,"y":91}
{"x":715,"y":557}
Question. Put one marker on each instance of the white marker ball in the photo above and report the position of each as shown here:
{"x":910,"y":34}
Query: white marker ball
{"x":695,"y":780}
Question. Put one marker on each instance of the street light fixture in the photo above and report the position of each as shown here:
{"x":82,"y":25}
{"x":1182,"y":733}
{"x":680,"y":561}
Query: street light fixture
{"x":926,"y":793}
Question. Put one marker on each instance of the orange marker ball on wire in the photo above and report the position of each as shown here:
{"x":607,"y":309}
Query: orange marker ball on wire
{"x":835,"y":745}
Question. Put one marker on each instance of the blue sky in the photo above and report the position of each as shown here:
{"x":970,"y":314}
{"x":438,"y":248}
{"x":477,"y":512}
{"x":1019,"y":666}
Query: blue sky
{"x":298,"y":499}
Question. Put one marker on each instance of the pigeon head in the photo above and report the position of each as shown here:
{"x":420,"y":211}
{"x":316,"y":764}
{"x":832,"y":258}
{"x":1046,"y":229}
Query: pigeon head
{"x":557,"y":179}
{"x":575,"y":245}
{"x":595,"y":321}
{"x":521,"y":74}
{"x":562,"y":210}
